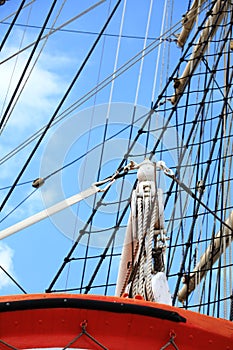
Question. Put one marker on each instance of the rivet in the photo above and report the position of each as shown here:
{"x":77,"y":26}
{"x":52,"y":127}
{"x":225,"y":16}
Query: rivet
{"x":190,"y":336}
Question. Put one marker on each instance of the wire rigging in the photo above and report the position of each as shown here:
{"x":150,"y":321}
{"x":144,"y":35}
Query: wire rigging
{"x":30,"y":72}
{"x":61,"y":102}
{"x":12,"y":14}
{"x":11,"y":79}
{"x":94,"y":211}
{"x":200,"y":119}
{"x":27,"y":65}
{"x":92,"y":92}
{"x":52,"y":30}
{"x":13,"y":280}
{"x":12,"y":24}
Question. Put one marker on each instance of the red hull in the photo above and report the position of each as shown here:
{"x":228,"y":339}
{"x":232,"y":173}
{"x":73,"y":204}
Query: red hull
{"x":83,"y":321}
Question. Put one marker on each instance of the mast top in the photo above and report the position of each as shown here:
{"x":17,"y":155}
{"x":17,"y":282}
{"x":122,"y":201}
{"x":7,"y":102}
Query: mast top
{"x":146,"y":171}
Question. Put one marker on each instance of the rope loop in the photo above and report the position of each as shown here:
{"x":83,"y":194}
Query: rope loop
{"x":83,"y":325}
{"x":171,"y":341}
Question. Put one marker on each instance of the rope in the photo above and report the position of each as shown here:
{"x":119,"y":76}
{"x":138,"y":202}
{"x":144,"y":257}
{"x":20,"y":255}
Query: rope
{"x":144,"y":47}
{"x":27,"y":64}
{"x":12,"y":75}
{"x":231,"y":309}
{"x":8,"y":345}
{"x":18,"y":205}
{"x":185,"y":135}
{"x":143,"y":217}
{"x":159,"y":52}
{"x":83,"y":325}
{"x":12,"y":24}
{"x":170,"y":342}
{"x":149,"y":256}
{"x":106,"y":124}
{"x":13,"y":280}
{"x":96,"y":89}
{"x":146,"y":214}
{"x":146,"y":223}
{"x":181,"y":184}
{"x":109,"y":79}
{"x":12,"y":14}
{"x":32,"y":67}
{"x":224,"y":186}
{"x":140,"y":240}
{"x":61,"y":102}
{"x":51,"y":29}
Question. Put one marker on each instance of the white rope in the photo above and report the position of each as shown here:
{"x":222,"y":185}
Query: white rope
{"x":141,"y":248}
{"x":33,"y":66}
{"x":140,"y":240}
{"x":147,"y":210}
{"x":144,"y":47}
{"x":13,"y":72}
{"x":143,"y":209}
{"x":149,"y":271}
{"x":92,"y":92}
{"x":159,"y":52}
{"x":12,"y":14}
{"x":143,"y":270}
{"x":54,"y":30}
{"x":226,"y":187}
{"x":116,"y":59}
{"x":127,"y":65}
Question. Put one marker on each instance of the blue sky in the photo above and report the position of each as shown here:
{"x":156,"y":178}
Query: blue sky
{"x":34,"y":255}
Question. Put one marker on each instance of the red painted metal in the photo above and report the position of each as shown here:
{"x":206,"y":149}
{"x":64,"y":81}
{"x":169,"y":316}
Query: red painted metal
{"x":52,"y":325}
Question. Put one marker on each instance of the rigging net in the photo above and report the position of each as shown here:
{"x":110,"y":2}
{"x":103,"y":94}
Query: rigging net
{"x":200,"y":155}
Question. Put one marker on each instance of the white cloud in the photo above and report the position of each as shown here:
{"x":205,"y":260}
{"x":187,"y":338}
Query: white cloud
{"x":43,"y":89}
{"x":36,"y":105}
{"x":34,"y":108}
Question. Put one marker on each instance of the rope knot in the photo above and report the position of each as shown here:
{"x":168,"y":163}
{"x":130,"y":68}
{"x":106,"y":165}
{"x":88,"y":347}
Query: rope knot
{"x":83,"y":325}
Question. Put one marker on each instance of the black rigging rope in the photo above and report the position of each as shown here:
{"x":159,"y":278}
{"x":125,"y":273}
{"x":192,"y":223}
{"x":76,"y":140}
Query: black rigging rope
{"x":213,"y":302}
{"x":190,"y":236}
{"x":13,"y":280}
{"x":11,"y":26}
{"x":84,"y":98}
{"x":27,"y":65}
{"x":182,"y":157}
{"x":8,"y":345}
{"x":85,"y":32}
{"x":154,"y":107}
{"x":18,"y":205}
{"x":51,"y":31}
{"x":102,"y":145}
{"x":201,"y":105}
{"x":61,"y":102}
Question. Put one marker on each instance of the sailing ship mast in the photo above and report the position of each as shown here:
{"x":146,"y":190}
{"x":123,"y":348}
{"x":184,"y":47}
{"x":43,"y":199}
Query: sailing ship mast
{"x":198,"y":149}
{"x":211,"y":25}
{"x":142,"y":267}
{"x":223,"y":238}
{"x":221,"y":241}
